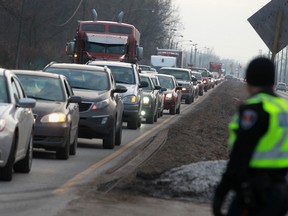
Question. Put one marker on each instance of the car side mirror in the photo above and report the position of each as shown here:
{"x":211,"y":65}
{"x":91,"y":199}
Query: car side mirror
{"x":75,"y":99}
{"x":119,"y":89}
{"x":143,"y":84}
{"x":157,"y":87}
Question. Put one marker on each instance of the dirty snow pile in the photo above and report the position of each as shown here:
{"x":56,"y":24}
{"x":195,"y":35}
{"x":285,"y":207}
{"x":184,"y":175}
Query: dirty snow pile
{"x":193,"y":181}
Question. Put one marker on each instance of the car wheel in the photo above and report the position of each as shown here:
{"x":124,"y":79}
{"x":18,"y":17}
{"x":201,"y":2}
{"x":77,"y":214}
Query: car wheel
{"x":133,"y":123}
{"x":178,"y":109}
{"x":188,"y":100}
{"x":7,"y":171}
{"x":73,"y":147}
{"x":201,"y":93}
{"x":156,"y":117}
{"x":172,"y":111}
{"x":63,"y":153}
{"x":24,"y":165}
{"x":109,"y":140}
{"x":150,"y":119}
{"x":118,"y":138}
{"x":139,"y":122}
{"x":192,"y":99}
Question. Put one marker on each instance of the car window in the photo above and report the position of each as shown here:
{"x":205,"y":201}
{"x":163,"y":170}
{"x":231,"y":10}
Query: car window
{"x":68,"y":89}
{"x":123,"y":75}
{"x":155,"y":81}
{"x":17,"y":90}
{"x":41,"y":87}
{"x":3,"y":91}
{"x":150,"y":86}
{"x":179,"y":75}
{"x":166,"y":82}
{"x":198,"y":76}
{"x":84,"y":79}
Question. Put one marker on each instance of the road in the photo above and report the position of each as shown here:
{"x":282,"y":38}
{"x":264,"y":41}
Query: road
{"x":52,"y":183}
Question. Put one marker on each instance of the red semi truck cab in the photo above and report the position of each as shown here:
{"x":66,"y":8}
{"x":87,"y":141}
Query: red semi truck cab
{"x":105,"y":40}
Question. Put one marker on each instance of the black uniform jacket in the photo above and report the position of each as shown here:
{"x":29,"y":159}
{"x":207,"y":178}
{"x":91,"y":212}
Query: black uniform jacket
{"x":253,"y":124}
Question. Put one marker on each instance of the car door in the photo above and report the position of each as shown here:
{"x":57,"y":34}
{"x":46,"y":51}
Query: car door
{"x":72,"y":110}
{"x":22,"y":117}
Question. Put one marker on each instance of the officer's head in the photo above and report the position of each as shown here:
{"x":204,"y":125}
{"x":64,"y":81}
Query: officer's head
{"x":261,"y":73}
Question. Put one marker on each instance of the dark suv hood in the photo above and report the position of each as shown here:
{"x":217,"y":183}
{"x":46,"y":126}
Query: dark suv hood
{"x":47,"y":107}
{"x":89,"y":95}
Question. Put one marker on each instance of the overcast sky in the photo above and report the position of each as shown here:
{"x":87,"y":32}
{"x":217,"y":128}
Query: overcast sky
{"x":222,"y":26}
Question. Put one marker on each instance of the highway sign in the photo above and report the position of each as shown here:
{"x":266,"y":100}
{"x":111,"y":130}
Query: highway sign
{"x":264,"y":21}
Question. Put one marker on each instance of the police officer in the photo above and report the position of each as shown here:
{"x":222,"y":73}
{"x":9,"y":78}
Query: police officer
{"x":257,"y":168}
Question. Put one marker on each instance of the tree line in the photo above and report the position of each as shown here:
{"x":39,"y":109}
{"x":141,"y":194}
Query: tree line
{"x":35,"y":32}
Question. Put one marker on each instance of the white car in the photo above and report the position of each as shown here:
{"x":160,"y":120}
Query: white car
{"x":16,"y":127}
{"x":281,"y":86}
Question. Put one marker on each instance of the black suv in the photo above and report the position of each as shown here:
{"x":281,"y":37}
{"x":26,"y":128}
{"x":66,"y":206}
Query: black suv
{"x":127,"y":75}
{"x":101,"y":109}
{"x":184,"y":79}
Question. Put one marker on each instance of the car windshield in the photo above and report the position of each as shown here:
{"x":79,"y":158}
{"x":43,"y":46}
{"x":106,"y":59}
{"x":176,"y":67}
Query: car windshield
{"x":197,"y":76}
{"x":3,"y":91}
{"x":42,"y":87}
{"x":84,"y":79}
{"x":166,"y":82}
{"x":123,"y":75}
{"x":178,"y":74}
{"x":104,"y":48}
{"x":149,"y":87}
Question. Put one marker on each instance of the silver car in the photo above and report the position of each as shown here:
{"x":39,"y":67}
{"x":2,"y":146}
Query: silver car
{"x":16,"y":127}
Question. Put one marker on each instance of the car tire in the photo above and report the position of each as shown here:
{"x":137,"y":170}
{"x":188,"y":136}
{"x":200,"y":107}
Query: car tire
{"x":201,"y":93}
{"x":172,"y":111}
{"x":109,"y":140}
{"x":118,"y":137}
{"x":73,"y":147}
{"x":7,"y":171}
{"x":133,"y":123}
{"x":188,"y":100}
{"x":24,"y":165}
{"x":63,"y":153}
{"x":178,"y":109}
{"x":156,"y":117}
{"x":150,"y":119}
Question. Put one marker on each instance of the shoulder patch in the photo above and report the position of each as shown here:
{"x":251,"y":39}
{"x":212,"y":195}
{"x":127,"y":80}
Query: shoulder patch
{"x":248,"y":119}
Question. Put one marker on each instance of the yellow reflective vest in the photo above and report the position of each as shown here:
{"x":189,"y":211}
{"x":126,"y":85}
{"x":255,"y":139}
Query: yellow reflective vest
{"x":272,"y":149}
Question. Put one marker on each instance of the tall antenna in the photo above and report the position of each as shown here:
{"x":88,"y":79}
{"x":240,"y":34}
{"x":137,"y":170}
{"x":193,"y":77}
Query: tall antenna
{"x":120,"y":17}
{"x":95,"y":15}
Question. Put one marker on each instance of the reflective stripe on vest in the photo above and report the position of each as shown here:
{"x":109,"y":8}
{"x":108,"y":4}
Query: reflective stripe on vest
{"x":272,"y":149}
{"x":233,"y":127}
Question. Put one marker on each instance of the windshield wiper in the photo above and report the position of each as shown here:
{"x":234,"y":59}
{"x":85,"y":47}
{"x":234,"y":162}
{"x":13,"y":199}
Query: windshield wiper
{"x":41,"y":98}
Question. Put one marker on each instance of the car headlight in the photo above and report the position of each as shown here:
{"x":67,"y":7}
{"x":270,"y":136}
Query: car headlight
{"x":204,"y":81}
{"x":2,"y":124}
{"x":131,"y":99}
{"x":184,"y":88}
{"x":54,"y":118}
{"x":168,"y":96}
{"x":101,"y":104}
{"x":146,"y":100}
